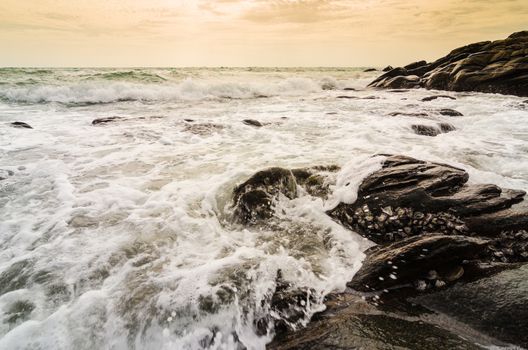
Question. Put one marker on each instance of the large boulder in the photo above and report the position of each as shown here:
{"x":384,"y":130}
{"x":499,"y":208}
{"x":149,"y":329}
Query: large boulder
{"x":496,"y":67}
{"x":410,"y":197}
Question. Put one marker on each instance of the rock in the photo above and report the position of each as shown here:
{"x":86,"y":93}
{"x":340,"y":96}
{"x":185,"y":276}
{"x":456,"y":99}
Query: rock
{"x":410,"y":197}
{"x":349,"y":89}
{"x":254,"y":199}
{"x":347,"y":97}
{"x":252,"y":122}
{"x":497,"y":306}
{"x":106,"y":120}
{"x":525,"y":101}
{"x":413,"y":258}
{"x":316,"y":180}
{"x":387,"y":69}
{"x":431,"y":98}
{"x":494,"y":67}
{"x":425,"y":130}
{"x":189,"y":120}
{"x":450,"y":112}
{"x":21,"y":125}
{"x":370,"y":70}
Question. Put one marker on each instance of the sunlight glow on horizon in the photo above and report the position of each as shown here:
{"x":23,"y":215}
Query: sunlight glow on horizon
{"x":247,"y":33}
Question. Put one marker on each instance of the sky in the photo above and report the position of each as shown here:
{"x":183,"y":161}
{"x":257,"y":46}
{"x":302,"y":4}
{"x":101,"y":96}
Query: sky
{"x":162,"y":33}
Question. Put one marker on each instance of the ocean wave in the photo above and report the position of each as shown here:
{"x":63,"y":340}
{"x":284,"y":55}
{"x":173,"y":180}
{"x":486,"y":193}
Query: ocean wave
{"x":186,"y":90}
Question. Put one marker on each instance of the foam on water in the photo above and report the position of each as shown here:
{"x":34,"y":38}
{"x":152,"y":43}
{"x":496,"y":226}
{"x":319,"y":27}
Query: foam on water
{"x":119,"y":236}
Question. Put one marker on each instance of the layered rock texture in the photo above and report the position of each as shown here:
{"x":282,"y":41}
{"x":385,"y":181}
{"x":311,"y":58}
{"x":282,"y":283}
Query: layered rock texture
{"x":491,"y":66}
{"x":433,"y":230}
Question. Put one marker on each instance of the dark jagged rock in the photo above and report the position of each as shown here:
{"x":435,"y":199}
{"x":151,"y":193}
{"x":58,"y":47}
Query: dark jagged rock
{"x":431,"y":98}
{"x":415,"y":65}
{"x":412,"y":259}
{"x":388,"y":69}
{"x":106,"y":120}
{"x":252,"y":122}
{"x":409,"y":197}
{"x":495,"y":67}
{"x":21,"y":125}
{"x":370,"y":70}
{"x":450,"y":112}
{"x":254,"y":199}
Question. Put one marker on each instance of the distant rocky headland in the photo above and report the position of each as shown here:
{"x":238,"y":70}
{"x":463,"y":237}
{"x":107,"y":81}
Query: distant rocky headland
{"x":490,"y":66}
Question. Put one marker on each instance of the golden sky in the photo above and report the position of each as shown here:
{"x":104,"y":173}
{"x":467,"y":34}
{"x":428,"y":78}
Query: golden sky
{"x":247,"y":33}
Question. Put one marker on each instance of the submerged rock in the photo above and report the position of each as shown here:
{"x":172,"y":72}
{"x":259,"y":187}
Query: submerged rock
{"x":203,"y":129}
{"x":21,"y":125}
{"x":431,"y":98}
{"x":496,"y":67}
{"x":4,"y":174}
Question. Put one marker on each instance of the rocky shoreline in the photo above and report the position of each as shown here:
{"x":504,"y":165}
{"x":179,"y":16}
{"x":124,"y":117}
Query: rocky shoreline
{"x":495,"y":67}
{"x":434,"y":233}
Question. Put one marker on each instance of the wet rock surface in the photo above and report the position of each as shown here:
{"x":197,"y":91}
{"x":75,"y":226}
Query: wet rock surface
{"x":416,"y":260}
{"x":495,"y":67}
{"x":351,"y":323}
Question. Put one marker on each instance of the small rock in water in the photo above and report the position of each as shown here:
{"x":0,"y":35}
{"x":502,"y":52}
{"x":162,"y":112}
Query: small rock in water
{"x":431,"y":98}
{"x":388,"y":69}
{"x":252,"y":122}
{"x":425,"y":130}
{"x":370,"y":70}
{"x":189,"y":120}
{"x":106,"y":120}
{"x":21,"y":125}
{"x":446,"y":127}
{"x":352,"y":89}
{"x":348,"y":97}
{"x":410,"y":114}
{"x":450,"y":112}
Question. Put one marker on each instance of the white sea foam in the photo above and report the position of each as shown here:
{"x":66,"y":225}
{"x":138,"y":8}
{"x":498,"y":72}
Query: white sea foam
{"x":118,"y":236}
